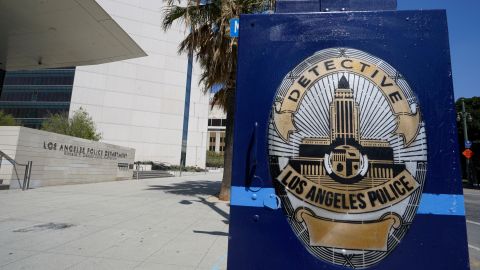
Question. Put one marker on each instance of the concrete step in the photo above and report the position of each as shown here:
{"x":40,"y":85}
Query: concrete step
{"x":145,"y":174}
{"x":151,"y":174}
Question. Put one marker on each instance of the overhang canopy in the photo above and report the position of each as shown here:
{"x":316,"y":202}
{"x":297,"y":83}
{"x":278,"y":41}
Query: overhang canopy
{"x":60,"y":33}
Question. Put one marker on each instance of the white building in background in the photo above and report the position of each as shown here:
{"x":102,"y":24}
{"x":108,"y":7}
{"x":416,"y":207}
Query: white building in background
{"x":217,"y":121}
{"x":139,"y":103}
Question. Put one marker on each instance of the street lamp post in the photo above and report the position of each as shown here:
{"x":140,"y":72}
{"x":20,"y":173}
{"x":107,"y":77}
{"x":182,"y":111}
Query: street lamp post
{"x":464,"y":117}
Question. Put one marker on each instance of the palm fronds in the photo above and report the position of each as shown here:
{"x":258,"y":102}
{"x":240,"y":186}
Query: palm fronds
{"x":209,"y":37}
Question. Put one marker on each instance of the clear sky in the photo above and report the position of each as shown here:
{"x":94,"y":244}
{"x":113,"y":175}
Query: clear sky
{"x":464,"y":30}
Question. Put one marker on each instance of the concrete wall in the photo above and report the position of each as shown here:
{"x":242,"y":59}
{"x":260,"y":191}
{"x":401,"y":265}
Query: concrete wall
{"x":139,"y":103}
{"x":59,"y":159}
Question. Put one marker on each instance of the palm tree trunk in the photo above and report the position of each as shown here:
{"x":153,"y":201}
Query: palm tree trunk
{"x":227,"y":170}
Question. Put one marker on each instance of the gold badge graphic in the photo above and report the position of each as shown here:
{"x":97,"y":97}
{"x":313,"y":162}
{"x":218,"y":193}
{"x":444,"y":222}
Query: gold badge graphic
{"x":348,"y":151}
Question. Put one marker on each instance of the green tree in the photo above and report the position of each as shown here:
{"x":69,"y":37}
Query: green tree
{"x":80,"y":125}
{"x":7,"y":119}
{"x":216,"y":52}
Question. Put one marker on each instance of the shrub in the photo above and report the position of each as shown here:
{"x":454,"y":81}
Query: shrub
{"x":80,"y":125}
{"x":214,"y":159}
{"x":7,"y":119}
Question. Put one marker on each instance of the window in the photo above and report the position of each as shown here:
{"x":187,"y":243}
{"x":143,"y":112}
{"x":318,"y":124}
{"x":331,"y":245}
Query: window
{"x":217,"y":122}
{"x":31,"y":95}
{"x":35,"y":96}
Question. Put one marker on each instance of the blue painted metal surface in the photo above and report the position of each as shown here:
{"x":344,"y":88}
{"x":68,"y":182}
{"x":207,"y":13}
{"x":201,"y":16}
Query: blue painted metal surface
{"x":243,"y":196}
{"x":430,"y":204}
{"x":415,"y":43}
{"x":288,"y":6}
{"x":442,"y":204}
{"x":293,"y":6}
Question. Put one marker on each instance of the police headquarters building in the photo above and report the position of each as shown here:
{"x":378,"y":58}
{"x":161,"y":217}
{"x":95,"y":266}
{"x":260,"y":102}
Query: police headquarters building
{"x":137,"y":103}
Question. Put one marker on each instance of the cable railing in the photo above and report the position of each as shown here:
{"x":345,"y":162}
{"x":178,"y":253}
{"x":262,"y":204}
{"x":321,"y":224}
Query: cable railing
{"x":28,"y":170}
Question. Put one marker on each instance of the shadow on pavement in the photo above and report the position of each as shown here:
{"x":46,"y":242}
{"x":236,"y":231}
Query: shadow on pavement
{"x":212,"y":233}
{"x":215,"y":208}
{"x":195,"y":188}
{"x":190,"y":188}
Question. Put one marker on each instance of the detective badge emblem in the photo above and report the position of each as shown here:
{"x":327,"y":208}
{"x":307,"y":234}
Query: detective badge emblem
{"x":348,"y":150}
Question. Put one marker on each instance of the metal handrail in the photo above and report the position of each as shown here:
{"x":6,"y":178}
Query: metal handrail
{"x":28,"y":170}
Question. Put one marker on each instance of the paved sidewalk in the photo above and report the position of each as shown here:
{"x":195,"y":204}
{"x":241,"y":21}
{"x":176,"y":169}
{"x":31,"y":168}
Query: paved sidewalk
{"x":168,"y":223}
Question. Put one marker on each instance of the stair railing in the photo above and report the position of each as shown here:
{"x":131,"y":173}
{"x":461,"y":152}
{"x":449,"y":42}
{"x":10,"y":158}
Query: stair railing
{"x":28,"y":170}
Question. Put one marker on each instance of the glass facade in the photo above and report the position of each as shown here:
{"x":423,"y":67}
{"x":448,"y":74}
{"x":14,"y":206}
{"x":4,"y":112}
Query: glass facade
{"x":2,"y":75}
{"x":30,"y":96}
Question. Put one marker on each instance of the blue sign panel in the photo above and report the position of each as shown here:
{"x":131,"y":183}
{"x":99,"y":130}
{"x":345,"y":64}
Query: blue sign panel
{"x":234,"y":27}
{"x":468,"y":144}
{"x":339,"y":162}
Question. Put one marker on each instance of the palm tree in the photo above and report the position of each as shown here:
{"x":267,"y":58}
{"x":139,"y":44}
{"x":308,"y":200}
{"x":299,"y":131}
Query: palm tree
{"x":216,"y":52}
